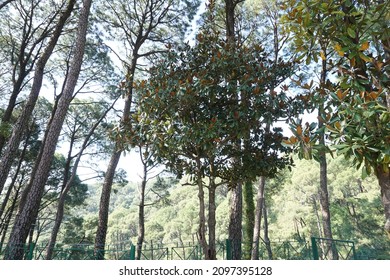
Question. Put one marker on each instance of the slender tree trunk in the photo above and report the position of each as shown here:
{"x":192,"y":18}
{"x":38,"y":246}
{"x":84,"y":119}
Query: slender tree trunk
{"x":7,"y":218}
{"x":315,"y":208}
{"x":230,"y":6}
{"x":235,"y":221}
{"x":14,"y":178}
{"x":101,"y":233}
{"x":202,"y":213}
{"x":323,"y":190}
{"x":212,"y":252}
{"x":249,"y":218}
{"x":28,"y":214}
{"x":266,"y":235}
{"x":257,"y":223}
{"x":25,"y":116}
{"x":141,"y":214}
{"x":100,"y":240}
{"x":324,"y":198}
{"x":384,"y":183}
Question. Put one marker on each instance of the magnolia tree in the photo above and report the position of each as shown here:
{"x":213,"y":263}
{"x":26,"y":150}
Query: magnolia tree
{"x":198,"y":103}
{"x":358,"y":108}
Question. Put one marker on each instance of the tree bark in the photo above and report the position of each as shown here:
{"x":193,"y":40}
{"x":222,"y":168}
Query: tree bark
{"x":323,"y":190}
{"x":384,"y":183}
{"x":27,"y":215}
{"x":257,"y":223}
{"x":315,"y":209}
{"x":212,"y":252}
{"x":249,"y":219}
{"x":101,"y":233}
{"x":266,"y":235}
{"x":7,"y":218}
{"x":23,"y":120}
{"x":14,"y":178}
{"x":202,"y":216}
{"x":235,"y":221}
{"x":141,"y":214}
{"x":100,"y":239}
{"x":146,"y":23}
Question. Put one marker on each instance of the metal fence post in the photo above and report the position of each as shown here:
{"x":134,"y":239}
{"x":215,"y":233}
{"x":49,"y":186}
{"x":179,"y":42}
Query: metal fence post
{"x":132,"y":252}
{"x":314,"y":248}
{"x":354,"y":251}
{"x":228,"y":249}
{"x":31,"y":251}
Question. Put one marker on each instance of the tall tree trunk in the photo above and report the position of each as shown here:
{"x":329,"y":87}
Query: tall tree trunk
{"x":7,"y":218}
{"x":323,"y":190}
{"x":30,"y":240}
{"x":324,"y":198}
{"x":257,"y":223}
{"x":266,"y":235}
{"x":25,"y":116}
{"x":101,"y":233}
{"x":146,"y":24}
{"x":29,"y":212}
{"x":15,"y":177}
{"x":249,"y":219}
{"x":202,"y":216}
{"x":384,"y":183}
{"x":141,"y":214}
{"x":315,"y":208}
{"x":212,"y":252}
{"x":235,"y":221}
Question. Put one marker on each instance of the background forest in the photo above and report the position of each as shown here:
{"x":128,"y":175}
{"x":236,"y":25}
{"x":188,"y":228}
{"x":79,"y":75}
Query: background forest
{"x":179,"y":123}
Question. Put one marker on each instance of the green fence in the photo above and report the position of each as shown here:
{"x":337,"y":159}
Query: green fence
{"x":326,"y":249}
{"x":317,"y":249}
{"x":74,"y":252}
{"x":277,"y":250}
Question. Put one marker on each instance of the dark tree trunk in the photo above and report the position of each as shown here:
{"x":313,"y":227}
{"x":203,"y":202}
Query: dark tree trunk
{"x":235,"y":221}
{"x":100,"y":240}
{"x":14,"y":178}
{"x":212,"y":253}
{"x":5,"y":222}
{"x":27,"y":215}
{"x":249,"y":219}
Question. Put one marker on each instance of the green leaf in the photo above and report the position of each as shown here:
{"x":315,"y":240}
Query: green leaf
{"x":351,"y":32}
